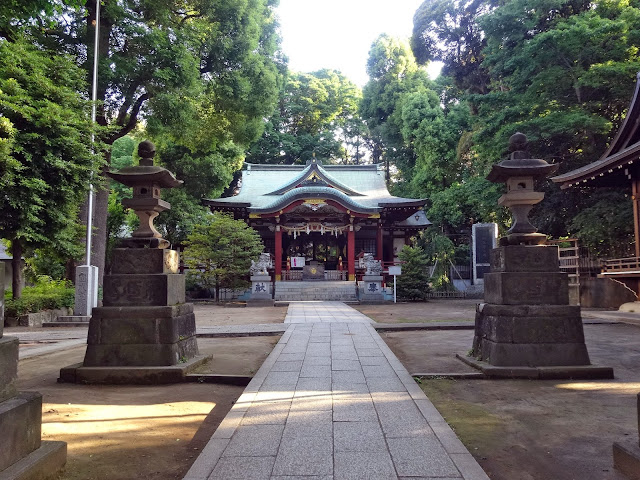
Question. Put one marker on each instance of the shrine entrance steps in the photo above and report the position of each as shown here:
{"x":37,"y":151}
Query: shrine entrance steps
{"x":335,"y":291}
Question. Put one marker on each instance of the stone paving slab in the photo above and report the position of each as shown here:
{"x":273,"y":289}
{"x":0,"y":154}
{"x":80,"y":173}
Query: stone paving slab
{"x":333,"y":402}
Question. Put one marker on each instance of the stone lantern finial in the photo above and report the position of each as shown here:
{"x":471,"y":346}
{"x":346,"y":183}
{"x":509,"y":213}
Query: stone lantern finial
{"x":146,"y":152}
{"x":519,"y":172}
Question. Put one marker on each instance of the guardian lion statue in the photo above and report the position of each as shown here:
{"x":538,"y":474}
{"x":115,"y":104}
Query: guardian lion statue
{"x":260,"y":268}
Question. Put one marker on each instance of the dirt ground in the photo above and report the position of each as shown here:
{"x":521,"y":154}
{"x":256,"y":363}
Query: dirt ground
{"x":209,"y":314}
{"x":134,"y":432}
{"x":439,"y":310}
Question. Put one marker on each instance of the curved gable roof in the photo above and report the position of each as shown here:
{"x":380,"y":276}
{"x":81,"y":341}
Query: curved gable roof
{"x":311,"y":174}
{"x":302,"y":193}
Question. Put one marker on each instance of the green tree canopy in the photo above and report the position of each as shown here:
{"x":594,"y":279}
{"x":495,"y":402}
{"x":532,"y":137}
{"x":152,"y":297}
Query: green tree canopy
{"x":316,"y":113}
{"x":50,"y":161}
{"x":560,"y":71}
{"x":448,"y":31}
{"x":393,"y":73}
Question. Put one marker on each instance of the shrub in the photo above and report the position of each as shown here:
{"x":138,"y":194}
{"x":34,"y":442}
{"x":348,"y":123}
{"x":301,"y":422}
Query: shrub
{"x":46,"y":294}
{"x":413,"y":284}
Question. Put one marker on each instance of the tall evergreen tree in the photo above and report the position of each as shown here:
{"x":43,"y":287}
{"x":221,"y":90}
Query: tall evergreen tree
{"x":393,"y":72}
{"x":47,"y":160}
{"x":316,"y":113}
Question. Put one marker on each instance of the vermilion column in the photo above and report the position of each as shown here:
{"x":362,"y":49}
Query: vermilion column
{"x":278,"y":248}
{"x":635,"y":192}
{"x":379,"y":243}
{"x":351,"y":253}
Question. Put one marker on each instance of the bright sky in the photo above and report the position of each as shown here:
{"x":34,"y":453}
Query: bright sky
{"x":338,"y":34}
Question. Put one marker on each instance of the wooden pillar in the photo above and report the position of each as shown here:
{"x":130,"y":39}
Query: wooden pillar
{"x":379,"y":243}
{"x":278,"y":252}
{"x":351,"y":252}
{"x":635,"y":196}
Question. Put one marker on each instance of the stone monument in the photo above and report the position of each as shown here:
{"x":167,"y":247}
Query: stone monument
{"x":22,"y":453}
{"x":145,"y":332}
{"x":370,"y":290}
{"x":527,"y":328}
{"x":261,"y":286}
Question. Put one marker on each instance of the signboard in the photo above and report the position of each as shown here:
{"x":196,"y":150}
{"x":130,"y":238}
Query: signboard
{"x":297,"y":262}
{"x":396,"y":270}
{"x":484,"y":243}
{"x":485,"y":238}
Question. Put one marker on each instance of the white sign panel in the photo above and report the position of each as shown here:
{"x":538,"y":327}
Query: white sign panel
{"x":397,"y":270}
{"x":297,"y":262}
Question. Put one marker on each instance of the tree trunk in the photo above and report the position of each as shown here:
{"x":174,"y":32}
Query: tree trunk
{"x":16,"y":264}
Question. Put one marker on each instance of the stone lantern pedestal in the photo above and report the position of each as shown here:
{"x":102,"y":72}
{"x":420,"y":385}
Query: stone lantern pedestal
{"x":22,"y":452}
{"x":626,"y":454}
{"x":144,"y":332}
{"x":527,"y":328}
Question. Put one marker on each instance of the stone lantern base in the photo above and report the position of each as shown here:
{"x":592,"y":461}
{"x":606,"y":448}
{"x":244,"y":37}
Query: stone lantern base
{"x":23,"y":454}
{"x":144,"y":333}
{"x":626,"y":453}
{"x":527,"y":327}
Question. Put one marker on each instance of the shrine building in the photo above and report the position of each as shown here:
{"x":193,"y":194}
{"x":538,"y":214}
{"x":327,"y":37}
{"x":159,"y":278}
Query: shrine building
{"x":618,"y":167}
{"x":325,"y":216}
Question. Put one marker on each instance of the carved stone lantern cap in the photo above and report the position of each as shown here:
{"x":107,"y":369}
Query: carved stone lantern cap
{"x":146,"y":172}
{"x":520,"y":163}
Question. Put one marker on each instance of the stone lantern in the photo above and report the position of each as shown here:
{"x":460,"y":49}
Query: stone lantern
{"x":144,"y":332}
{"x":146,"y":179}
{"x":526,"y":327}
{"x":519,"y":172}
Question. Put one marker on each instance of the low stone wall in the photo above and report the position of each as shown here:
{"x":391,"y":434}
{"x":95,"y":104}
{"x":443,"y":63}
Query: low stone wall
{"x":604,"y":293}
{"x":37,"y":319}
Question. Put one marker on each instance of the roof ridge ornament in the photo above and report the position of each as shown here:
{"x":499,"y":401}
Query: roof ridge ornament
{"x":313,"y":160}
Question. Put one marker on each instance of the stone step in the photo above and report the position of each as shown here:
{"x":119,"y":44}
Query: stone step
{"x":340,"y":291}
{"x":65,"y":324}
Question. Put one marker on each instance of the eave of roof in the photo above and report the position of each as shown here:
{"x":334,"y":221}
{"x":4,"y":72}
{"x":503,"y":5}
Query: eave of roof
{"x":600,"y":168}
{"x":623,"y":151}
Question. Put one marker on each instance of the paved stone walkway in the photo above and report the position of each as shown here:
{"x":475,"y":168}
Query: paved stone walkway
{"x":333,"y":402}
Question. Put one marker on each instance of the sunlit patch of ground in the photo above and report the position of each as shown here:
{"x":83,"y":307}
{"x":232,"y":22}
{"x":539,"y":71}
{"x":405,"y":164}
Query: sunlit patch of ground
{"x":120,"y":441}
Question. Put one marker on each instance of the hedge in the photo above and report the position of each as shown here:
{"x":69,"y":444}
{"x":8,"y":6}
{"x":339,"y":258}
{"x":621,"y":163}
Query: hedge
{"x":46,"y":294}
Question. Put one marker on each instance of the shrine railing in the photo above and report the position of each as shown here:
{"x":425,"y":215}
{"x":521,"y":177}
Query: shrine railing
{"x":292,"y":275}
{"x":296,"y":275}
{"x":621,"y":265}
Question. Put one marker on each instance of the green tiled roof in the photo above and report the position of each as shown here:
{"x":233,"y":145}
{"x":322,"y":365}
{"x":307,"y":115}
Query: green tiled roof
{"x":266,"y":188}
